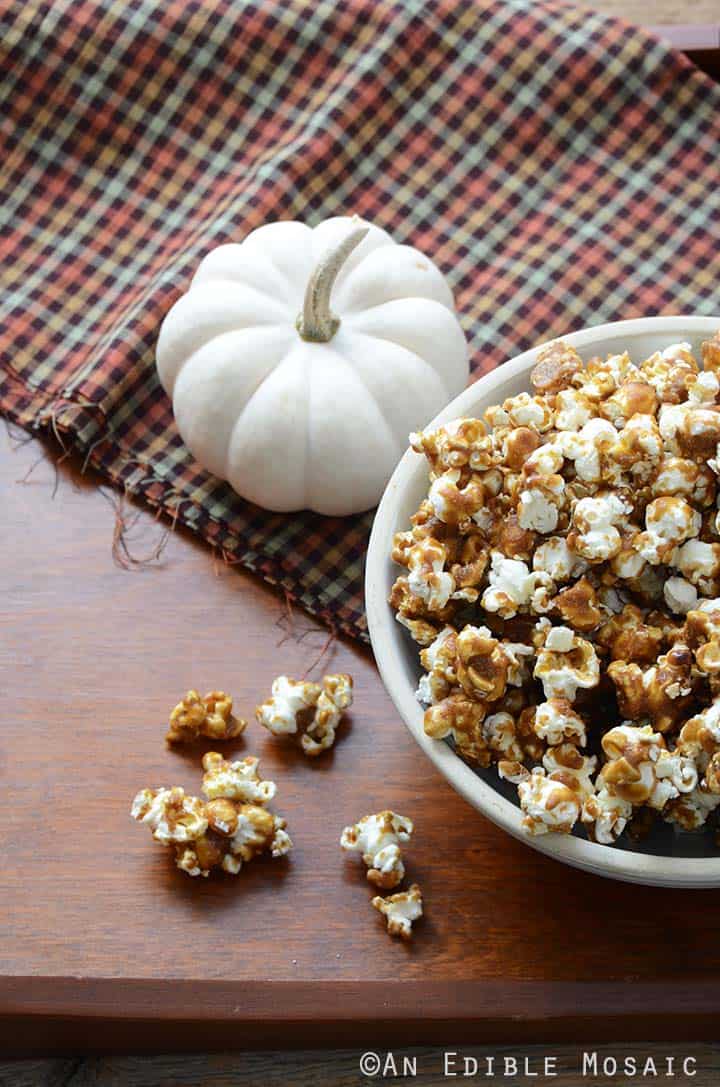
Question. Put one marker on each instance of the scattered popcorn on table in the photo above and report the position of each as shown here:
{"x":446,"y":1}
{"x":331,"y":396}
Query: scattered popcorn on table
{"x":227,"y":829}
{"x":401,"y":910}
{"x":562,"y":582}
{"x":313,"y":709}
{"x":210,"y":716}
{"x":379,"y":837}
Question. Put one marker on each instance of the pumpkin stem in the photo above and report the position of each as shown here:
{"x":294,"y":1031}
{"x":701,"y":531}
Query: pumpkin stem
{"x":317,"y":323}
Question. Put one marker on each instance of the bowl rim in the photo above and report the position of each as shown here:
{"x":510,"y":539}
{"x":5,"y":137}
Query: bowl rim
{"x":386,"y":638}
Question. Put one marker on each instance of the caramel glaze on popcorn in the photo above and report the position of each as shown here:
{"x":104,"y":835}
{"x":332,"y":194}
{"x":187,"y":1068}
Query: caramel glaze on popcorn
{"x":562,"y":583}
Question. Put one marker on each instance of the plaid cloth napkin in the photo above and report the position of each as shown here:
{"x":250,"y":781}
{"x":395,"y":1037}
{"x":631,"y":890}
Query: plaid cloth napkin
{"x":561,"y":167}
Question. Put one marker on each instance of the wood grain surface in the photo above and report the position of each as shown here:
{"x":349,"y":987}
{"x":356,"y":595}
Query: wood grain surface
{"x":101,"y":930}
{"x":340,"y":1068}
{"x":92,"y":657}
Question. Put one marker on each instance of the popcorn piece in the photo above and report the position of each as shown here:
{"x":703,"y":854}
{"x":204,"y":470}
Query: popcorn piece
{"x":440,"y":661}
{"x":700,"y":563}
{"x":453,"y":504}
{"x":336,"y":696}
{"x":668,"y":522}
{"x":462,"y":443}
{"x":711,"y":355}
{"x":629,"y":638}
{"x":379,"y":837}
{"x":578,"y":606}
{"x":554,"y":558}
{"x":638,"y":449}
{"x":540,"y":503}
{"x":294,"y":706}
{"x":555,"y":721}
{"x":595,"y":534}
{"x":699,"y":740}
{"x":209,"y":716}
{"x":289,"y":699}
{"x":566,"y":764}
{"x":633,"y":397}
{"x":172,"y":816}
{"x":680,"y":596}
{"x":601,"y":377}
{"x":482,"y":664}
{"x":461,"y":718}
{"x":514,"y":588}
{"x":428,"y":578}
{"x":586,"y":448}
{"x":401,"y":910}
{"x":528,"y":411}
{"x":663,"y":693}
{"x":690,"y":811}
{"x":605,"y":815}
{"x":235,"y":780}
{"x":556,"y":366}
{"x":573,"y":410}
{"x":566,"y":662}
{"x":500,"y":734}
{"x":670,"y":372}
{"x":549,"y":806}
{"x":222,"y":833}
{"x":256,"y":831}
{"x":682,"y":477}
{"x":640,"y":768}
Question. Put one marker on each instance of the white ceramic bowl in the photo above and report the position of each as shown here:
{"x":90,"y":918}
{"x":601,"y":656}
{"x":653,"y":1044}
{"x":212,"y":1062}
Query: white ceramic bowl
{"x":665,"y":858}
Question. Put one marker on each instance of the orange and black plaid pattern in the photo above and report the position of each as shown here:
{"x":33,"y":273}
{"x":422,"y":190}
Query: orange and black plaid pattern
{"x":561,"y":167}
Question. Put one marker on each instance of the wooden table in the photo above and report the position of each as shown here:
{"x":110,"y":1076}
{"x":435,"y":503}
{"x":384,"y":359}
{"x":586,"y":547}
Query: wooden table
{"x":513,"y":948}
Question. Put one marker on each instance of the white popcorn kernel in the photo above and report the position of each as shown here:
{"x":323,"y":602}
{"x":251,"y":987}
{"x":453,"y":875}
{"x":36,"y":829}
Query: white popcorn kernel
{"x":536,"y":512}
{"x":563,"y":671}
{"x":595,"y":521}
{"x":235,"y":780}
{"x":669,"y":521}
{"x":572,"y":410}
{"x":289,"y":697}
{"x":548,"y":806}
{"x":427,"y":578}
{"x":680,"y":596}
{"x":698,"y":561}
{"x":560,"y":639}
{"x":554,"y":557}
{"x":513,"y":587}
{"x":563,"y":762}
{"x":379,"y":837}
{"x":606,"y":816}
{"x":498,"y":731}
{"x":556,"y":722}
{"x":172,"y":816}
{"x":691,"y":810}
{"x":401,"y":911}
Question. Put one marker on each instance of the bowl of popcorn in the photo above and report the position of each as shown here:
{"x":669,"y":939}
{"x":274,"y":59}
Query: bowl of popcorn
{"x":543,"y":598}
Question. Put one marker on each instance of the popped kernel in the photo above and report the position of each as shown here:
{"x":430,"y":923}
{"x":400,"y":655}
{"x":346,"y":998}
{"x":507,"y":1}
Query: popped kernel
{"x":315,"y":709}
{"x":379,"y":838}
{"x":210,"y":716}
{"x":230,"y":827}
{"x":401,"y":910}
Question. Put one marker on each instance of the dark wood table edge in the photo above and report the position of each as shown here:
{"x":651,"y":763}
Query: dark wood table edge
{"x":51,"y":1015}
{"x":699,"y":42}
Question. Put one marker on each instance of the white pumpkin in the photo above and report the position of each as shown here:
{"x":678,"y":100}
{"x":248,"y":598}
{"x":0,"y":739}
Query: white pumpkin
{"x":297,"y":405}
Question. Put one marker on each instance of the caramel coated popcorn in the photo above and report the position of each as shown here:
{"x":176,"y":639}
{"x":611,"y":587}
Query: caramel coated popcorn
{"x":313,"y":709}
{"x":562,"y":583}
{"x":210,"y":716}
{"x":401,"y":910}
{"x":379,"y":838}
{"x":228,"y":828}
